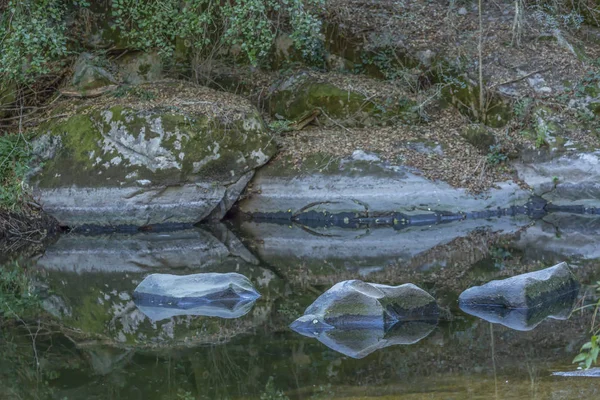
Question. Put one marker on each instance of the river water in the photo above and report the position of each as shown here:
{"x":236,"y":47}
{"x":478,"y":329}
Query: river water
{"x":99,"y":345}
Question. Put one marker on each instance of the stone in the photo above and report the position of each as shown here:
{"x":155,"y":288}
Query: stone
{"x":530,"y":290}
{"x":88,"y":74}
{"x":525,"y":319}
{"x":140,"y":67}
{"x":462,"y":11}
{"x":300,"y":95}
{"x":479,"y":137}
{"x":583,"y":373}
{"x":359,"y":342}
{"x":162,"y":296}
{"x":359,"y":183}
{"x":356,"y":304}
{"x":565,"y":180}
{"x":180,"y":159}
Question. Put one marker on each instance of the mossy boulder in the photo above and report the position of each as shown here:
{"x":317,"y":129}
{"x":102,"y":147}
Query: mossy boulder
{"x":180,"y":158}
{"x":480,"y":137}
{"x":466,"y":98}
{"x":534,"y":289}
{"x":357,"y":304}
{"x":140,"y":67}
{"x":89,"y":74}
{"x":301,"y":95}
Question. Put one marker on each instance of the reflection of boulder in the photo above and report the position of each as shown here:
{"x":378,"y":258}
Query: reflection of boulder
{"x":162,"y":296}
{"x":522,"y":291}
{"x":191,"y":248}
{"x":525,"y":319}
{"x":99,"y":304}
{"x":360,"y":342}
{"x":357,"y":304}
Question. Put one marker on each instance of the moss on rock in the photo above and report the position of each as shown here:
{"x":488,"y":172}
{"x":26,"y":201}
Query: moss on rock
{"x":302,"y":94}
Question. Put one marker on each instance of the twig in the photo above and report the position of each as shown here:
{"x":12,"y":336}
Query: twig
{"x":520,"y":78}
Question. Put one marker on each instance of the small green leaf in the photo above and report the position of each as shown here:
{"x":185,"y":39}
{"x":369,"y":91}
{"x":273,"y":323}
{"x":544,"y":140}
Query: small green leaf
{"x":579,"y":358}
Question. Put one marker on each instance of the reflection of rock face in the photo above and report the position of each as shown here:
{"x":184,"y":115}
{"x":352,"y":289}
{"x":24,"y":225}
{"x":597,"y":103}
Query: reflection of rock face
{"x":359,"y":343}
{"x":162,"y":296}
{"x":522,"y":291}
{"x":357,"y":248}
{"x":192,"y":248}
{"x":525,"y":319}
{"x":357,"y":304}
{"x":562,"y":233}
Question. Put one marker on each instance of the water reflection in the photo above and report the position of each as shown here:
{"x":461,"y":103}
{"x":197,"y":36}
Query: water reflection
{"x":524,"y":319}
{"x":359,"y":342}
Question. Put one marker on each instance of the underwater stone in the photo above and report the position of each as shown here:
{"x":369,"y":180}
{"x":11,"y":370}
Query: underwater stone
{"x":356,"y":318}
{"x":162,"y":296}
{"x":354,"y":303}
{"x":523,"y":291}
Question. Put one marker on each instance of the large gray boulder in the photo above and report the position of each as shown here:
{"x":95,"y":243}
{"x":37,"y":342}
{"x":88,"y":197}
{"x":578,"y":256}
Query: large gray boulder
{"x":357,"y":318}
{"x":530,"y":290}
{"x":355,"y":303}
{"x":162,"y":296}
{"x":179,"y":154}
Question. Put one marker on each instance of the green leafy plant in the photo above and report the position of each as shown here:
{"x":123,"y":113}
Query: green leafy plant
{"x":15,"y":155}
{"x":280,"y":126}
{"x":32,"y":37}
{"x":588,"y":354}
{"x":271,"y":392}
{"x":17,"y":298}
{"x":250,"y":25}
{"x":496,"y":155}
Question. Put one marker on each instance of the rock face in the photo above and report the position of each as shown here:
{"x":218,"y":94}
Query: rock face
{"x":299,"y":96}
{"x":356,"y":303}
{"x":571,"y":179}
{"x":525,"y":291}
{"x":365,"y":186}
{"x":525,"y":319}
{"x":162,"y":296}
{"x":182,"y":158}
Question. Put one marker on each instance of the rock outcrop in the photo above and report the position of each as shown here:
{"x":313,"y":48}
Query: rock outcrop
{"x":180,"y":154}
{"x":309,"y":95}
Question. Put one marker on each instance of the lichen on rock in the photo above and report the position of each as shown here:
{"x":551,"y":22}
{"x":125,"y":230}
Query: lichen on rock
{"x":169,"y":160}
